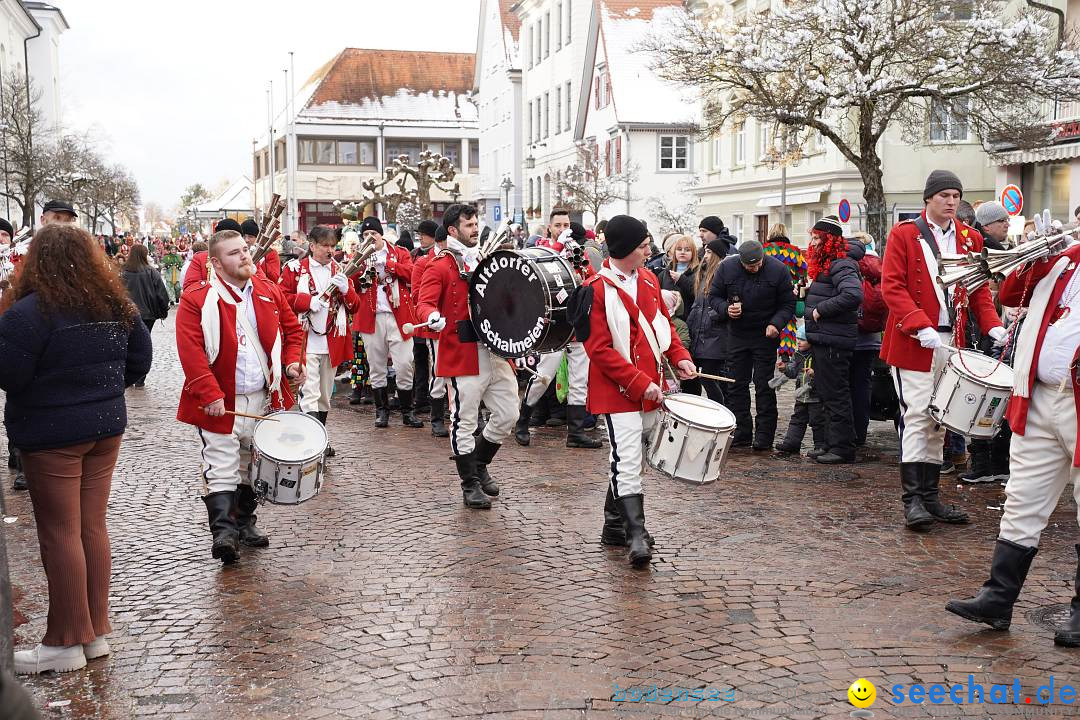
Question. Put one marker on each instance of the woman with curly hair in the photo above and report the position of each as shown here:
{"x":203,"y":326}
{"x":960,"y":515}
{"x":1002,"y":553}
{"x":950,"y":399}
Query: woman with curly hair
{"x":832,"y":326}
{"x":71,"y":340}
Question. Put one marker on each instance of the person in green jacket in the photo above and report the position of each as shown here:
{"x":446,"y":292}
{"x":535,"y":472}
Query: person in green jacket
{"x":171,"y":263}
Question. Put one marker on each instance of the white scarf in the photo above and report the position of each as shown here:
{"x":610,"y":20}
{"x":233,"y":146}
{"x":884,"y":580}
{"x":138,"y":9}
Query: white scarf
{"x":468,"y":254}
{"x":211,"y":328}
{"x":307,"y":281}
{"x":657,"y":331}
{"x":1029,"y":333}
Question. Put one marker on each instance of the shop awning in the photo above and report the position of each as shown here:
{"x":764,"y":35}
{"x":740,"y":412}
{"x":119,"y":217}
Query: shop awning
{"x":1064,"y":151}
{"x":794,"y":197}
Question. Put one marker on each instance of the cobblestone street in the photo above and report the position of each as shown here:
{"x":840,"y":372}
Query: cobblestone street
{"x":384,"y":597}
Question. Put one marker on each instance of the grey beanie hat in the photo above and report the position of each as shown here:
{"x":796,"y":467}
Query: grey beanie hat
{"x":751,"y":251}
{"x":942,"y":180}
{"x":989,"y":212}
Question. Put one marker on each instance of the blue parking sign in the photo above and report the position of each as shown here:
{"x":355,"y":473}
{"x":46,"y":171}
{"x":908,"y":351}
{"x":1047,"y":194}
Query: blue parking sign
{"x":498,"y":213}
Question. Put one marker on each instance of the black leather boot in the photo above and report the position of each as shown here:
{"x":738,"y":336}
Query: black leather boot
{"x":1069,"y":636}
{"x":993,"y":603}
{"x":485,"y":453}
{"x":20,"y":480}
{"x":471,"y":493}
{"x":931,"y":480}
{"x":321,"y":417}
{"x":633,"y":510}
{"x":382,"y":407}
{"x":915,"y":515}
{"x":357,"y":396}
{"x":408,"y":417}
{"x":246,"y":504}
{"x":219,"y":507}
{"x":575,"y":429}
{"x":614,"y":532}
{"x":521,"y":427}
{"x":438,"y":425}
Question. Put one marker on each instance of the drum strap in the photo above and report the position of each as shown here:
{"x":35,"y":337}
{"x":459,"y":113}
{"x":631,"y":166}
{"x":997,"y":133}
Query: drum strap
{"x":629,"y":305}
{"x":931,"y":242}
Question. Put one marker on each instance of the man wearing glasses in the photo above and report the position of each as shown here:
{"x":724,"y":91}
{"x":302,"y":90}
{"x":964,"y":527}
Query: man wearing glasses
{"x":993,"y":222}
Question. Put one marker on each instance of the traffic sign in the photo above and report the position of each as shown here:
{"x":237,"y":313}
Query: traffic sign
{"x":1012,"y":199}
{"x":498,"y":213}
{"x":844,"y":210}
{"x":519,"y":216}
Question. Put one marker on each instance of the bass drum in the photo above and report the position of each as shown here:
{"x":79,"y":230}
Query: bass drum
{"x":517,"y":301}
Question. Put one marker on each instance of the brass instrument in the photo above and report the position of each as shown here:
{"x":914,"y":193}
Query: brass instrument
{"x":973,"y":270}
{"x":495,"y":241}
{"x":357,"y":263}
{"x":270,"y":231}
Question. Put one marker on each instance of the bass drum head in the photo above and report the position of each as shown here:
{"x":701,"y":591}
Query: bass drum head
{"x":293,"y":438}
{"x":699,"y":411}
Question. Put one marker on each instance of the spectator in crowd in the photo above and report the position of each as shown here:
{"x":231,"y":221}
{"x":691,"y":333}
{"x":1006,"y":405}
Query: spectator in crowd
{"x":809,"y":409}
{"x":754,"y":292}
{"x":712,"y":228}
{"x":708,"y":329}
{"x":146,"y":289}
{"x":992,"y":221}
{"x":70,"y":340}
{"x":680,"y":266}
{"x":872,"y":318}
{"x":780,"y":247}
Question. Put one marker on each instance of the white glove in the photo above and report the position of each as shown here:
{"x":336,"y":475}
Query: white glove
{"x":341,"y":281}
{"x":929,"y":338}
{"x":316,"y":304}
{"x":436,"y":321}
{"x":999,"y":334}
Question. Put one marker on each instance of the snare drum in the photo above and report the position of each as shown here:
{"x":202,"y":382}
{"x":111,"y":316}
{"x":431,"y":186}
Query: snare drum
{"x":691,"y":438}
{"x":287,"y":457}
{"x":971,"y":393}
{"x":517,"y":301}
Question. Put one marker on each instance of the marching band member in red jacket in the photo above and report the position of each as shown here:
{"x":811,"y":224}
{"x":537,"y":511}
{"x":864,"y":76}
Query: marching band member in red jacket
{"x":920,"y":326}
{"x":1044,"y":455}
{"x":475,"y":373}
{"x":425,"y":336}
{"x":384,"y":309}
{"x":270,"y":263}
{"x":237,"y":339}
{"x":326,"y":321}
{"x":628,"y":332}
{"x":565,"y":235}
{"x":198,"y":269}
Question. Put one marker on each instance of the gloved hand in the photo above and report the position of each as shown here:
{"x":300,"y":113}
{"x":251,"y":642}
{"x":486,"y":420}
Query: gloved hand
{"x":341,"y":281}
{"x":999,"y":335}
{"x":929,"y":338}
{"x":316,"y":304}
{"x":436,"y":321}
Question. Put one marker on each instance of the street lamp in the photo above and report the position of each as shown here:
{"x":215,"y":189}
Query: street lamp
{"x":507,"y":184}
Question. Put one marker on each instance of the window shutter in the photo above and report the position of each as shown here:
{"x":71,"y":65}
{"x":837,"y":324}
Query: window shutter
{"x":596,"y":93}
{"x":607,"y":89}
{"x":607,"y":157}
{"x":618,"y":155}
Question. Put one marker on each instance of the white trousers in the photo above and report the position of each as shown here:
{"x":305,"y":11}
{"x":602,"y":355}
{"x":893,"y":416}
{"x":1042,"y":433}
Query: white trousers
{"x":577,"y":366}
{"x":627,"y":433}
{"x":496,"y":387}
{"x":318,"y":383}
{"x":1040,"y":466}
{"x":921,"y":439}
{"x":386,"y":342}
{"x":225,"y":455}
{"x":436,"y":384}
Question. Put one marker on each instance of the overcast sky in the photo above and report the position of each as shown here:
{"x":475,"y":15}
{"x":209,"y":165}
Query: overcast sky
{"x":177,"y":90}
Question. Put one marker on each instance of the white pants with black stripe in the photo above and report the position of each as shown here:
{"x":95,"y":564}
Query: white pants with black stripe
{"x":385,"y":342}
{"x":921,"y":439}
{"x":627,"y":432}
{"x":577,"y":366}
{"x":1040,"y":466}
{"x":226,"y":455}
{"x":496,"y":386}
{"x":318,"y":383}
{"x":437,"y":385}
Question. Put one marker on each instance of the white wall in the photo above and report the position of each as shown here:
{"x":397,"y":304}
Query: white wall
{"x":500,"y":143}
{"x":44,"y":57}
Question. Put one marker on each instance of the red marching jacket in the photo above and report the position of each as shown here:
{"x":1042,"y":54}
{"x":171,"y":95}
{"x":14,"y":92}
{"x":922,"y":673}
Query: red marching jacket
{"x":205,"y":383}
{"x":616,"y":385}
{"x":299,"y":297}
{"x":268,"y":268}
{"x":908,"y":291}
{"x":1016,"y":291}
{"x":399,"y":265}
{"x":419,"y":265}
{"x":444,"y":290}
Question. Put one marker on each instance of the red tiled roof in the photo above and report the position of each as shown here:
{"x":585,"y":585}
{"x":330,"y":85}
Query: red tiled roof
{"x":358,"y":74}
{"x":626,"y":8}
{"x":510,"y":20}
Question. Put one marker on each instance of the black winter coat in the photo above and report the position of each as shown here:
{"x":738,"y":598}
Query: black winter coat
{"x":837,"y":296}
{"x":684,"y":285}
{"x":708,"y":331}
{"x":148,"y":293}
{"x":767,"y":298}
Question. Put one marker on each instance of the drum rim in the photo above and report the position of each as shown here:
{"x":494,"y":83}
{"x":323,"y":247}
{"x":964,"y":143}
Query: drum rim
{"x":278,"y":460}
{"x":693,"y":423}
{"x":954,"y":364}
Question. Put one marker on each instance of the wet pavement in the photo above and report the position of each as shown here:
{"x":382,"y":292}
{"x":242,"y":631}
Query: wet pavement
{"x":770,"y":591}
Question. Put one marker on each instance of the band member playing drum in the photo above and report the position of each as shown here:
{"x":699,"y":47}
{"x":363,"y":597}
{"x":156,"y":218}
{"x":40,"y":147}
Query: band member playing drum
{"x":1045,"y":450}
{"x":577,"y":361}
{"x":628,"y":335}
{"x":269,"y":265}
{"x":198,"y":268}
{"x":475,"y":373}
{"x":425,"y":336}
{"x":238,"y":340}
{"x":921,"y":322}
{"x":385,"y":307}
{"x":305,"y":283}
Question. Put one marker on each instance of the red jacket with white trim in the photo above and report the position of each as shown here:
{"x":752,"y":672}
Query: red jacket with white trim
{"x":399,"y":264}
{"x":339,"y":343}
{"x":444,"y":290}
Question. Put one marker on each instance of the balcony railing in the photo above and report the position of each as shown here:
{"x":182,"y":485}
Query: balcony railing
{"x":1067,"y":110}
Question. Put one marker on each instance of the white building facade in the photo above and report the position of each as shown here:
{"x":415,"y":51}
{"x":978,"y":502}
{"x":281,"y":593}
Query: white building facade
{"x":43,"y":57}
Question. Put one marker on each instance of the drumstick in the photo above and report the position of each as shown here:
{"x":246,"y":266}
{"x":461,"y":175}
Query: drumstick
{"x":409,"y":327}
{"x":538,"y":376}
{"x":718,"y":378}
{"x":253,"y":417}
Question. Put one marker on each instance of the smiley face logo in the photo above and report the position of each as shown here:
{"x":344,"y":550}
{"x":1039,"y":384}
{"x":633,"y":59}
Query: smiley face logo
{"x":862,"y":693}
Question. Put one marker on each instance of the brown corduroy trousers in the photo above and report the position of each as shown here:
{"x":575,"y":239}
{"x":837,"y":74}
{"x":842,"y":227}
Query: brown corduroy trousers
{"x":69,"y":488}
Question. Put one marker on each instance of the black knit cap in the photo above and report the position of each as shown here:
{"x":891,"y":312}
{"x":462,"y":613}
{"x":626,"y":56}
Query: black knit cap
{"x":428,"y":227}
{"x":249,"y":227}
{"x":623,"y":234}
{"x":5,"y":226}
{"x":830,"y":225}
{"x":942,"y":180}
{"x":371,"y":223}
{"x":713,"y":224}
{"x":228,"y":224}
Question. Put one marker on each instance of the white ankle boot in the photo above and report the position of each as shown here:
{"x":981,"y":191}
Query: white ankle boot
{"x":98,"y":647}
{"x":47,"y":657}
